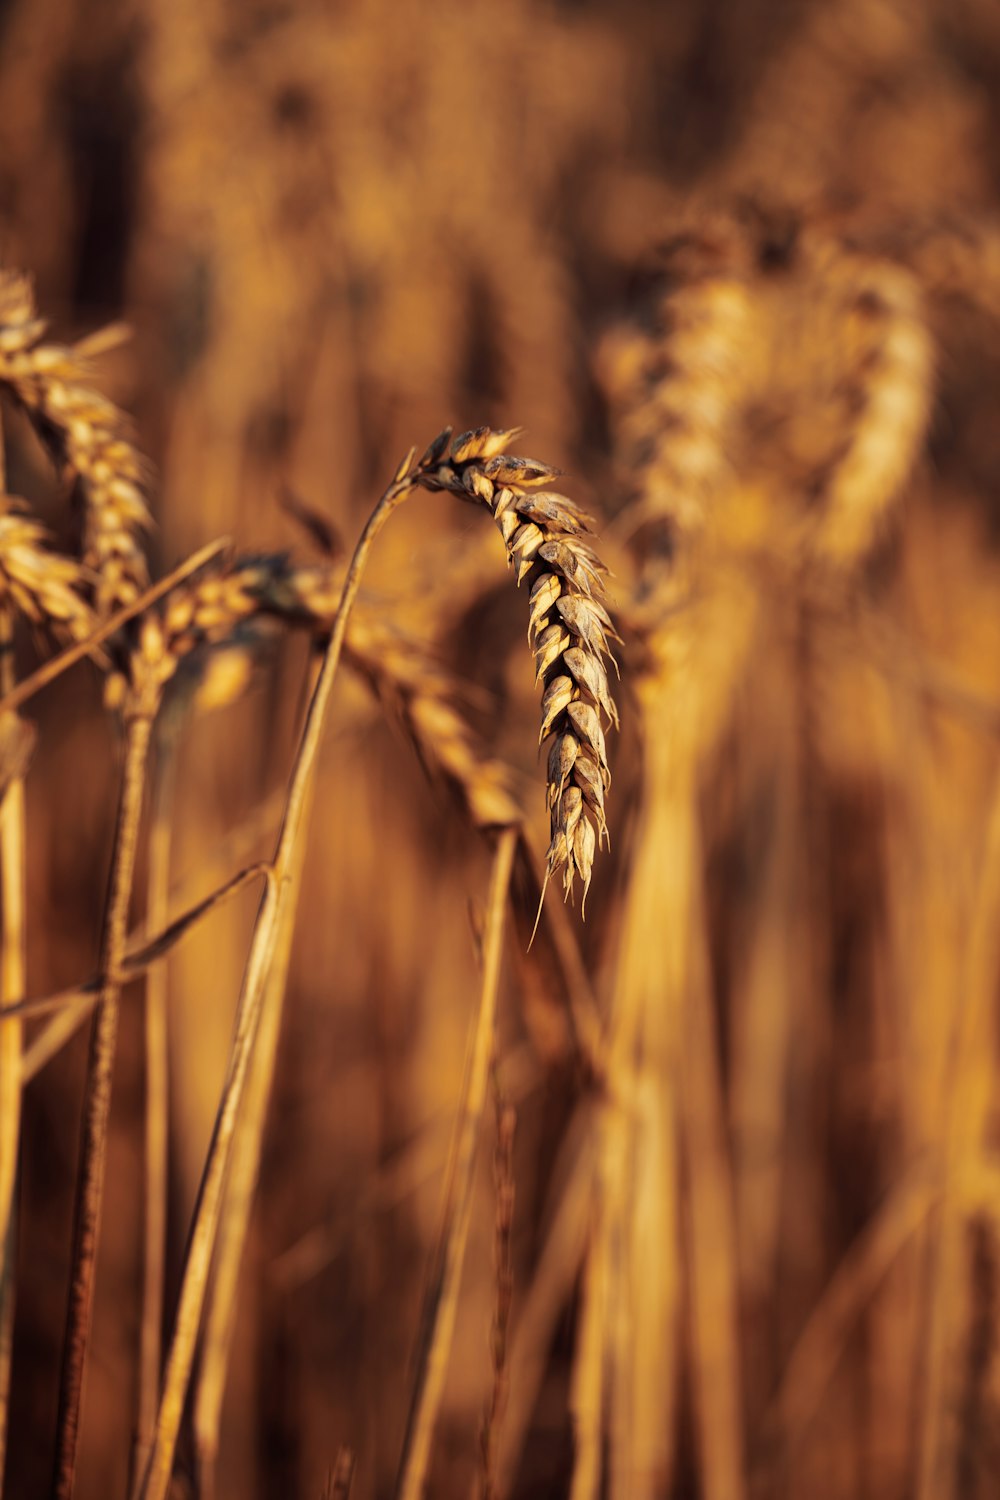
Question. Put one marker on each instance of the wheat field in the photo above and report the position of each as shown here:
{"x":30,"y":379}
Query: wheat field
{"x":493,"y":1017}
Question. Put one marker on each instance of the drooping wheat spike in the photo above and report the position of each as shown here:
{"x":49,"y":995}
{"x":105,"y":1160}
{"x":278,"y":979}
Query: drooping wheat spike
{"x":569,"y":630}
{"x":215,"y":609}
{"x":85,"y":433}
{"x":42,"y":586}
{"x":569,"y":627}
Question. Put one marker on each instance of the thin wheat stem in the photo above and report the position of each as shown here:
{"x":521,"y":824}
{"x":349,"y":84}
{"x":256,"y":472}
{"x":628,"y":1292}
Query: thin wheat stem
{"x":964,"y":1109}
{"x":97,"y":1103}
{"x":13,"y":926}
{"x":504,"y":1184}
{"x":6,"y":1331}
{"x":338,"y":1485}
{"x":157,"y":1104}
{"x":275,"y":909}
{"x":441,"y":1300}
{"x":241,"y":1186}
{"x":588,"y":1393}
{"x":13,"y":932}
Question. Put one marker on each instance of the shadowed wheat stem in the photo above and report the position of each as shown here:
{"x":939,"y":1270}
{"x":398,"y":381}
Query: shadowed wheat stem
{"x":12,"y":981}
{"x":157,"y":1124}
{"x":13,"y":936}
{"x":97,"y":1103}
{"x":437,"y":1324}
{"x":504,"y":1189}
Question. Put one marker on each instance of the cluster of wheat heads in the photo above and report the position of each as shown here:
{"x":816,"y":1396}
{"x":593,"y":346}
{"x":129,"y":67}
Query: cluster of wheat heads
{"x":773,"y":402}
{"x":139,"y":636}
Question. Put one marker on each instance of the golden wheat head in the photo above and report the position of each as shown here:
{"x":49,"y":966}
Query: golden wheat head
{"x":569,"y":627}
{"x":86,"y":433}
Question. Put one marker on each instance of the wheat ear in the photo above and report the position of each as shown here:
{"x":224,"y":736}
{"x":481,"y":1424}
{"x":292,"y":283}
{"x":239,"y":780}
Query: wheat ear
{"x":399,"y":670}
{"x":895,"y":389}
{"x":568,"y":628}
{"x":673,"y":382}
{"x":85,"y":433}
{"x":36,"y":583}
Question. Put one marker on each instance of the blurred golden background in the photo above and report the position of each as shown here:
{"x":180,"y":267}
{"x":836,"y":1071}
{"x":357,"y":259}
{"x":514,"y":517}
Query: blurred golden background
{"x":756,"y":1207}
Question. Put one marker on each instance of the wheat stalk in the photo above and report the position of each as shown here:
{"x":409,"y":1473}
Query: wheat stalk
{"x":13,"y":956}
{"x":437,"y":1324}
{"x":13,"y":923}
{"x":157,"y":1121}
{"x":504,"y":1186}
{"x":97,"y":1104}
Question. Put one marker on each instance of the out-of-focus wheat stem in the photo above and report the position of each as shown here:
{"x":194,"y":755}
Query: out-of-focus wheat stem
{"x":157,"y":1102}
{"x":6,"y":1332}
{"x":441,"y":1301}
{"x":275,"y":909}
{"x":75,"y":1005}
{"x":12,"y":970}
{"x":852,"y":1286}
{"x":711,"y":1242}
{"x":587,"y":1395}
{"x":503,"y":1177}
{"x":97,"y":1103}
{"x":551,"y":1287}
{"x":967,"y":1086}
{"x":338,"y":1485}
{"x":241,"y":1186}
